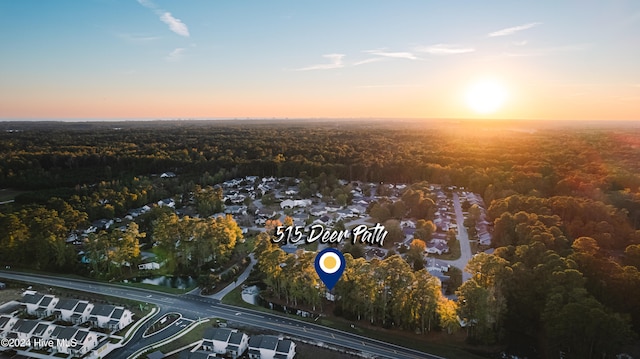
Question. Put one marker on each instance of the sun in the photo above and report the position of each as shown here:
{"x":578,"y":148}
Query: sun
{"x":486,"y":96}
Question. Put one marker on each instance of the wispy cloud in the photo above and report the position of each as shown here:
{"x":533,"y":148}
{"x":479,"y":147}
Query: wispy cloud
{"x":513,"y":30}
{"x":394,"y":55}
{"x":335,"y":62}
{"x":368,"y":61}
{"x":137,"y":37}
{"x":445,"y":49}
{"x":520,"y":43}
{"x":175,"y":24}
{"x":176,"y":54}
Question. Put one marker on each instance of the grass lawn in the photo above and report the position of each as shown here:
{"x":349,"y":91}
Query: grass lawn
{"x":448,"y":346}
{"x":193,"y":336}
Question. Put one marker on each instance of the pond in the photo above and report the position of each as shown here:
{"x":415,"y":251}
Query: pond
{"x":181,"y":282}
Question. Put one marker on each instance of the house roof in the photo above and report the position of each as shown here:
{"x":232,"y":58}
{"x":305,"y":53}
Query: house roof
{"x":81,"y":335}
{"x":284,"y":346}
{"x":117,"y":313}
{"x":218,"y":334}
{"x":102,"y":310}
{"x":67,"y":304}
{"x":40,"y":329}
{"x":56,"y":331}
{"x":4,"y":320}
{"x":46,"y":300}
{"x":236,"y":338}
{"x":269,"y":342}
{"x":67,"y":333}
{"x":32,"y":298}
{"x":25,"y":325}
{"x":81,"y":307}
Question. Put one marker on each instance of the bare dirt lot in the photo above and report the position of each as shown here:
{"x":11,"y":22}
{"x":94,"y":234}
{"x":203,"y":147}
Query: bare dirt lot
{"x":7,"y":295}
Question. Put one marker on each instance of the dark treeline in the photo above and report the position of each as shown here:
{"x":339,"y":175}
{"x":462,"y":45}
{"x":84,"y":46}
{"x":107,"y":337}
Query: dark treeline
{"x":564,"y":204}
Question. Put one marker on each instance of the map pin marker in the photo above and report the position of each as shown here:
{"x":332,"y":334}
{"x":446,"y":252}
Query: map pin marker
{"x":329,"y":266}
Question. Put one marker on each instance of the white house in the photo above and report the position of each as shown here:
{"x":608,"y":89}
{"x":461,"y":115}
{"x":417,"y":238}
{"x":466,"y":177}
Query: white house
{"x":290,"y":203}
{"x":167,"y":202}
{"x":225,"y":341}
{"x":38,"y":304}
{"x":318,"y":212}
{"x":110,"y":317}
{"x":42,"y":332}
{"x":271,"y":347}
{"x":149,"y":266}
{"x":73,"y":310}
{"x":437,"y":247}
{"x":85,"y":340}
{"x":6,"y":323}
{"x":23,"y":328}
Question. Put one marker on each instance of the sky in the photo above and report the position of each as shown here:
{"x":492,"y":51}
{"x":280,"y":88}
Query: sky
{"x":146,"y":59}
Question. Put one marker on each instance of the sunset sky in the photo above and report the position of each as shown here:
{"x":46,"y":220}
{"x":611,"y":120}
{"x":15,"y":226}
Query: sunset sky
{"x":102,"y":59}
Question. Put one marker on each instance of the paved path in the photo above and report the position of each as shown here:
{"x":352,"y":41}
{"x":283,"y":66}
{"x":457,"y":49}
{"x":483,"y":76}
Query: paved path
{"x":237,"y":282}
{"x":233,"y":285}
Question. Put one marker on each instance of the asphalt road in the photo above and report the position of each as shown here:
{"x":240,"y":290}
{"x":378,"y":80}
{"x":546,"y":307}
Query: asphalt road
{"x":194,"y":307}
{"x":463,"y":239}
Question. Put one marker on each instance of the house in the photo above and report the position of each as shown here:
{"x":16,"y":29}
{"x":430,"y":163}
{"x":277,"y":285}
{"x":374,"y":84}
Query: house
{"x":41,"y":332}
{"x":23,"y":328}
{"x":38,"y":304}
{"x":317,"y":212}
{"x":236,"y":210}
{"x":73,"y":310}
{"x":102,"y":223}
{"x":324,"y":220}
{"x":225,"y":341}
{"x":286,"y":349}
{"x":265,"y":213}
{"x":110,"y":317}
{"x":437,"y":247}
{"x":149,"y":266}
{"x":6,"y":323}
{"x":3,"y":286}
{"x":346,"y":213}
{"x":168,"y":175}
{"x":271,"y":347}
{"x":289,"y":203}
{"x":66,"y":337}
{"x":167,"y":202}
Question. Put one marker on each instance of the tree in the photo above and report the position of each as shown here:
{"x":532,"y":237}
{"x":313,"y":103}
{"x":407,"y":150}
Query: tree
{"x":209,"y":200}
{"x":447,"y":313}
{"x":424,"y":297}
{"x":415,"y":255}
{"x":424,"y":230}
{"x":632,"y":255}
{"x":380,"y":213}
{"x":395,"y":233}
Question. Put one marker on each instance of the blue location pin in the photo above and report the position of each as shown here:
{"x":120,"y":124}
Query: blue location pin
{"x":330,"y":265}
